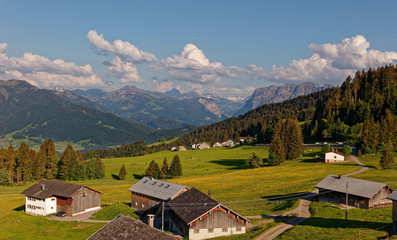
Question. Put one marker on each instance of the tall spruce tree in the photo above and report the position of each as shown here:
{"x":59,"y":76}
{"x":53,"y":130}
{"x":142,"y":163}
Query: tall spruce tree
{"x":175,"y":169}
{"x":386,"y":160}
{"x":152,"y":170}
{"x":51,"y":159}
{"x":122,"y":173}
{"x":277,"y":153}
{"x":64,"y":163}
{"x":164,"y":169}
{"x":293,"y":140}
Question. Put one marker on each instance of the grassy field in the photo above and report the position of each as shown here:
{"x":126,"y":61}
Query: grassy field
{"x":219,"y":170}
{"x":375,"y":173}
{"x":328,"y":222}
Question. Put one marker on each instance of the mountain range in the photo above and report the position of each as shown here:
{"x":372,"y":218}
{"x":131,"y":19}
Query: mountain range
{"x":29,"y":114}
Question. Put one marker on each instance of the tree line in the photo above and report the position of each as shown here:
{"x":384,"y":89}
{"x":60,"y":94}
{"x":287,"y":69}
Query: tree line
{"x":25,"y":164}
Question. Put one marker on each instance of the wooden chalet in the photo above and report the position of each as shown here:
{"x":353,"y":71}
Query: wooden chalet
{"x":393,"y":198}
{"x":361,"y":193}
{"x":149,"y":192}
{"x":50,"y":196}
{"x":195,"y":215}
{"x":123,"y":228}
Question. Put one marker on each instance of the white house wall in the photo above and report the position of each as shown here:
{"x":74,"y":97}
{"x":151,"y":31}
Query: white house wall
{"x":35,"y":206}
{"x":333,"y":157}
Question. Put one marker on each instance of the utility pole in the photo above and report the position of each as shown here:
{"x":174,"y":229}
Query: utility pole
{"x":162,"y":217}
{"x":347,"y":185}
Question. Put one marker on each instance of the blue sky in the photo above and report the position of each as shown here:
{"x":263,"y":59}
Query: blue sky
{"x":223,"y":47}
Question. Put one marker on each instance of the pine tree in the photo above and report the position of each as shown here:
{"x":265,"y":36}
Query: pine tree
{"x":164,"y":169}
{"x":122,"y":173}
{"x":276,"y":150}
{"x":64,"y":163}
{"x":175,"y":168}
{"x":51,"y":159}
{"x":152,"y":170}
{"x":10,"y":162}
{"x":99,"y":168}
{"x":293,"y":140}
{"x":386,"y":161}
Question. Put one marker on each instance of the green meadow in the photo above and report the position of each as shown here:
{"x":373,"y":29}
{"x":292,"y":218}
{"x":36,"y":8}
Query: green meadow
{"x":220,"y":170}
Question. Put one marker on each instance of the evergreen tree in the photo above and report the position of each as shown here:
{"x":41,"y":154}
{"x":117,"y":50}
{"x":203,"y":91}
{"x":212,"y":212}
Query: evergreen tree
{"x":64,"y":163}
{"x":175,"y":168}
{"x":293,"y":140}
{"x":325,"y":148}
{"x":51,"y":166}
{"x":122,"y":173}
{"x":164,"y":169}
{"x":152,"y":170}
{"x":347,"y":150}
{"x":10,"y":162}
{"x":276,"y":150}
{"x":99,"y":168}
{"x":254,"y":161}
{"x":386,"y":160}
{"x":4,"y":177}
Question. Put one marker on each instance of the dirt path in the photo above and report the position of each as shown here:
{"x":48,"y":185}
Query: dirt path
{"x":302,"y":211}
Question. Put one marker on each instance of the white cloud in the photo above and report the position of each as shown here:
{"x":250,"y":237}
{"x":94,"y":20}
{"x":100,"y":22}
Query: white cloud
{"x":125,"y":70}
{"x":42,"y":72}
{"x":125,"y":50}
{"x":330,"y":63}
{"x":164,"y":86}
{"x":193,"y":66}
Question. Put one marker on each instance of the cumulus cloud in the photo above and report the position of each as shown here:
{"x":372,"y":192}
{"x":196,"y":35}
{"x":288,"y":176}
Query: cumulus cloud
{"x":164,"y":86}
{"x":193,"y":66}
{"x":126,"y":71}
{"x":330,"y":63}
{"x":124,"y":50}
{"x":43,"y":72}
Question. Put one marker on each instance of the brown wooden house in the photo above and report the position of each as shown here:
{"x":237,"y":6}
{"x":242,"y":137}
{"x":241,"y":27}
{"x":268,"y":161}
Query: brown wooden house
{"x":361,"y":193}
{"x":50,"y":196}
{"x":149,"y":192}
{"x":393,"y":197}
{"x":123,"y":228}
{"x":195,"y":215}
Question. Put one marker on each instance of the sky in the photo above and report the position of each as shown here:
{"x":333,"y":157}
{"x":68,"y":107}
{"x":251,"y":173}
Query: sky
{"x":227,"y":48}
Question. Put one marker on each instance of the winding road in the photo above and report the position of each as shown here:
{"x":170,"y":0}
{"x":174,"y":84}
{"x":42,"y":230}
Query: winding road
{"x":302,"y":211}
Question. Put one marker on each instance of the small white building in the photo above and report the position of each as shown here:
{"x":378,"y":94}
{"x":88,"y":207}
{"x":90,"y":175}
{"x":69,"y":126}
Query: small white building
{"x":217,"y":144}
{"x":193,"y":146}
{"x":334,"y":157}
{"x":182,"y":148}
{"x":42,"y":207}
{"x":203,"y":145}
{"x":228,"y":143}
{"x":173,"y":149}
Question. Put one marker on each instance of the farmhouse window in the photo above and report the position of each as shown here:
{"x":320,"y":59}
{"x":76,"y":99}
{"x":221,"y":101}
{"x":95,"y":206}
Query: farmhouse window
{"x":334,"y":156}
{"x":84,"y":194}
{"x":53,"y":199}
{"x":224,"y":229}
{"x":52,"y":207}
{"x":211,"y":230}
{"x":196,"y":230}
{"x":238,"y":229}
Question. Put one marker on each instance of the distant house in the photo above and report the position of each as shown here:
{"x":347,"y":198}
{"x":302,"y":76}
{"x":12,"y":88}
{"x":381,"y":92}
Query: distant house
{"x":147,"y":193}
{"x":246,"y":139}
{"x":334,"y":157}
{"x":217,"y":144}
{"x":393,"y":197}
{"x":173,"y":149}
{"x":228,"y":143}
{"x":50,"y":196}
{"x":195,"y":215}
{"x":203,"y":145}
{"x":193,"y":146}
{"x":361,"y":193}
{"x":123,"y":227}
{"x":182,"y":148}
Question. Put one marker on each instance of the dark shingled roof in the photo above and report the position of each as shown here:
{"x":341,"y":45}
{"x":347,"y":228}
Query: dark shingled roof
{"x":123,"y":227}
{"x":192,"y":204}
{"x":53,"y":188}
{"x":393,"y":196}
{"x":357,"y":187}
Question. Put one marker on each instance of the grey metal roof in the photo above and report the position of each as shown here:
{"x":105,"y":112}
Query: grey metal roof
{"x":393,"y":196}
{"x":156,"y":188}
{"x":357,"y":187}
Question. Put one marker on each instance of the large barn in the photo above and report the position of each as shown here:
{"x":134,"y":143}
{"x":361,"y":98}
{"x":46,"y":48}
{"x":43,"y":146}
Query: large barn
{"x":361,"y":193}
{"x":195,"y":215}
{"x":393,"y":197}
{"x":50,"y":196}
{"x":149,"y":192}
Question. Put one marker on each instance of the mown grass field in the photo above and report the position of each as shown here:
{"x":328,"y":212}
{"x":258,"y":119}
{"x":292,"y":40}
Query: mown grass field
{"x":220,"y":170}
{"x":328,"y":222}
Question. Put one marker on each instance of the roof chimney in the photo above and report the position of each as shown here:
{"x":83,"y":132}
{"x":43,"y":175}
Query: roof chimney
{"x":150,"y":219}
{"x":209,"y":193}
{"x":42,"y":187}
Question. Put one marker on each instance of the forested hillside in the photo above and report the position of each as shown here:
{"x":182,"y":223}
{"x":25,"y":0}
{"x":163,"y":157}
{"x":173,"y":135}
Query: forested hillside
{"x":361,"y":110}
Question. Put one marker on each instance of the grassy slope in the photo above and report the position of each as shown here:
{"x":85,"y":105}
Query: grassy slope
{"x":219,"y":170}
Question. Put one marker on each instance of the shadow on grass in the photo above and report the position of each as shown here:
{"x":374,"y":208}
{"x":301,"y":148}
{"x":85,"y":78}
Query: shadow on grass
{"x":138,"y":176}
{"x":20,"y":208}
{"x":231,"y":163}
{"x":286,"y":197}
{"x":341,"y":223}
{"x":312,"y":160}
{"x":114,"y":176}
{"x":128,"y":204}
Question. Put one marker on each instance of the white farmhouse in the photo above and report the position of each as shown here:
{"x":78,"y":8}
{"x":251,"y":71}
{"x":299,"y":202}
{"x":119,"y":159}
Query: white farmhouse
{"x":334,"y":157}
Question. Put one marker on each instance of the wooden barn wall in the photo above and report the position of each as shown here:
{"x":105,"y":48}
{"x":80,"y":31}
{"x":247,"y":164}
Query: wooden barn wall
{"x":218,"y":218}
{"x":395,"y":211}
{"x":379,"y":200}
{"x":84,"y":199}
{"x":142,"y":202}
